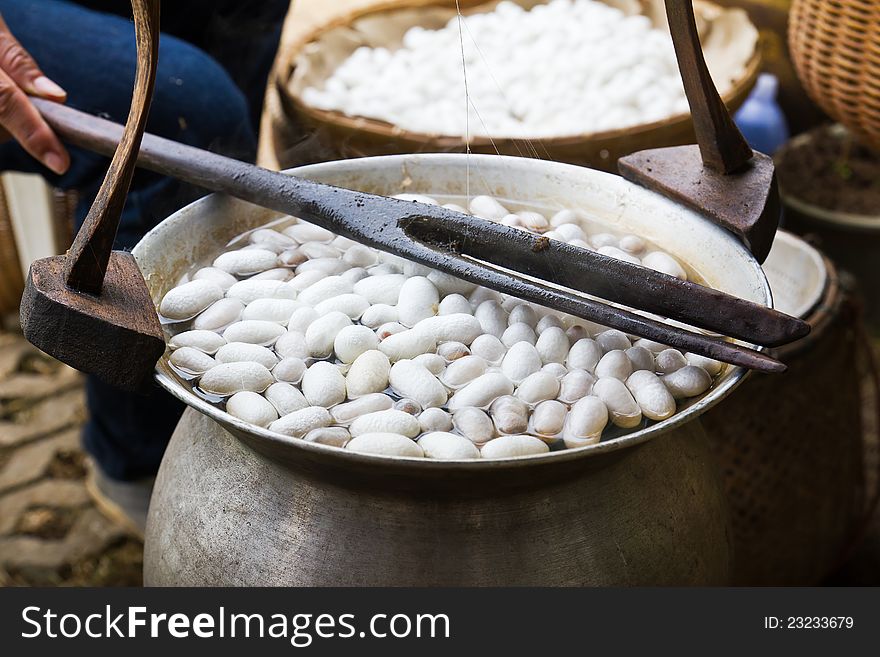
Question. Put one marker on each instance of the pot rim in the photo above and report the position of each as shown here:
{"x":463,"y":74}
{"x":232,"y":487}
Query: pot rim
{"x":847,"y":220}
{"x":805,"y":309}
{"x":272,"y":439}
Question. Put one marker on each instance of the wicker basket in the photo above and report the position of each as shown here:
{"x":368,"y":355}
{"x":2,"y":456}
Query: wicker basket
{"x":300,"y":133}
{"x":799,"y":451}
{"x":835,"y":45}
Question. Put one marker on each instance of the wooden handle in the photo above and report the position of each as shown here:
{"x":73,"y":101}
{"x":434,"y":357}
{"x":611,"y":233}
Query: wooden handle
{"x":391,"y":225}
{"x":722,"y":145}
{"x":87,"y":258}
{"x":376,"y":221}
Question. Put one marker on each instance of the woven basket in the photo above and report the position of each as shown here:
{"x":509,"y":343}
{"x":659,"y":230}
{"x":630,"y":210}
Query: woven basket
{"x":301,"y":134}
{"x":835,"y":45}
{"x":799,"y":451}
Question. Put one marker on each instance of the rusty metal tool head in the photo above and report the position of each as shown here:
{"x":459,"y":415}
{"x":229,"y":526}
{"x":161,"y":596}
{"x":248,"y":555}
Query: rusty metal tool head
{"x":90,"y":308}
{"x":721,"y":177}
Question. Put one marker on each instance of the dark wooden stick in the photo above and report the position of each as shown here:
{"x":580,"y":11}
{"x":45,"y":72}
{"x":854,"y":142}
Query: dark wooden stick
{"x":722,"y":145}
{"x":89,"y":254}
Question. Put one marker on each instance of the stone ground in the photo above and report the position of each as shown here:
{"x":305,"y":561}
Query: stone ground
{"x":50,"y":532}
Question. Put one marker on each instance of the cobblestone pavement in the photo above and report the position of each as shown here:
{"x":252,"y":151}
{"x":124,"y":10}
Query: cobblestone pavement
{"x":50,"y":532}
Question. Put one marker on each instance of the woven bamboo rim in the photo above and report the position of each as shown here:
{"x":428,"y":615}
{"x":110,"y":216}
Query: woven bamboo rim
{"x":11,"y":280}
{"x":359,"y":136}
{"x":835,"y":47}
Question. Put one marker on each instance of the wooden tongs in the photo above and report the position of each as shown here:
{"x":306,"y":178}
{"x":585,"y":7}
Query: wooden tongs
{"x":511,"y":261}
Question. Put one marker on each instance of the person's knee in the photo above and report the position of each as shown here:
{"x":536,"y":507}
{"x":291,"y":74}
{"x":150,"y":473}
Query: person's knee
{"x":196,"y":102}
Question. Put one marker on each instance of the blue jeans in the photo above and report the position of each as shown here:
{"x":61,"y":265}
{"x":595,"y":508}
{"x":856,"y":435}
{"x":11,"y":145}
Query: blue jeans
{"x":90,"y":51}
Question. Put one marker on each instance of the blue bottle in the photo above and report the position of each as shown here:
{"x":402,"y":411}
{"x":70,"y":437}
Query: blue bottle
{"x":761,"y":119}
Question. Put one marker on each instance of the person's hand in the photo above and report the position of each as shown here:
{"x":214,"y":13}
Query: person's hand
{"x":19,"y":76}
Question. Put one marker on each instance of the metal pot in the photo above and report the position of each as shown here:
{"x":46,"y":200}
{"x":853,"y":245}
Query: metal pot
{"x":237,"y":505}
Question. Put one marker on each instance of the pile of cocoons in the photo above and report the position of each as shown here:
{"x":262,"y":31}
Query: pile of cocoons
{"x":568,"y":67}
{"x":315,"y":337}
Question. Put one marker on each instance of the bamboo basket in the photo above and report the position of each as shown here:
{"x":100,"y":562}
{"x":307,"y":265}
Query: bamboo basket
{"x":835,"y":45}
{"x":300,"y":133}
